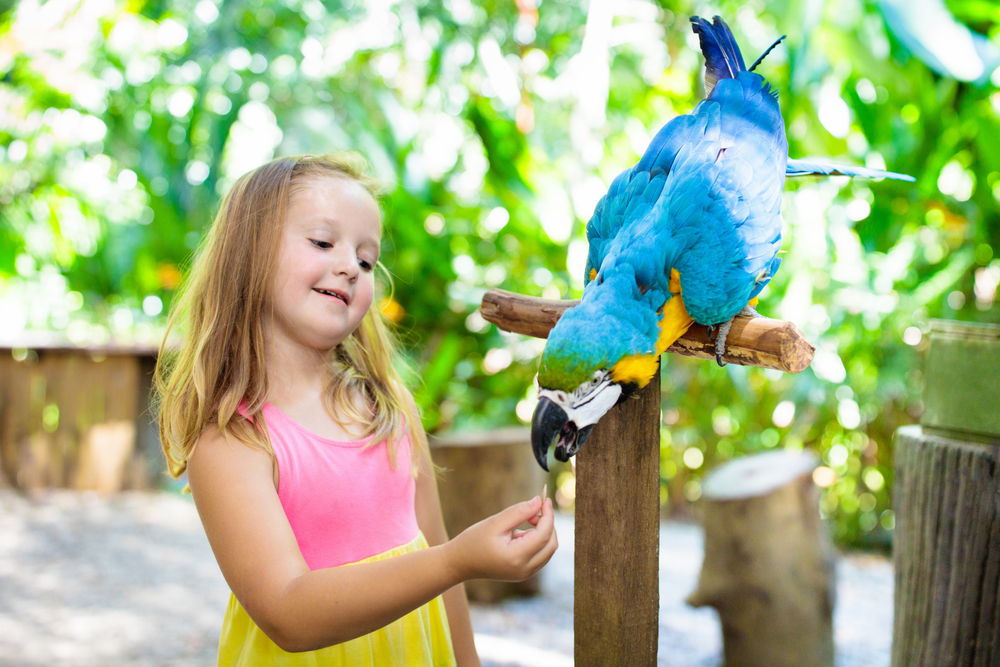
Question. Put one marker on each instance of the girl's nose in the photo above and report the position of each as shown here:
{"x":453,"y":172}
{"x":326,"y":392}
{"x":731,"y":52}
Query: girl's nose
{"x":346,"y":264}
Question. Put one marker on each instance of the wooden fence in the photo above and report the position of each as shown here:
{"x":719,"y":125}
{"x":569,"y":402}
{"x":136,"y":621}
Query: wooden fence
{"x":77,"y":417}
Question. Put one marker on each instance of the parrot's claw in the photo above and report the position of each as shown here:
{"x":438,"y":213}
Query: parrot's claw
{"x":720,"y":340}
{"x":709,"y":330}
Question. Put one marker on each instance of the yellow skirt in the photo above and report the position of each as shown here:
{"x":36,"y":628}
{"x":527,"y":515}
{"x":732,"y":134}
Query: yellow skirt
{"x":419,"y":639}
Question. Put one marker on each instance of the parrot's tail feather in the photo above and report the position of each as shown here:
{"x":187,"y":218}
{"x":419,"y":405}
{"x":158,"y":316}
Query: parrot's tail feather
{"x":810,"y":167}
{"x":723,"y":59}
{"x":764,"y":55}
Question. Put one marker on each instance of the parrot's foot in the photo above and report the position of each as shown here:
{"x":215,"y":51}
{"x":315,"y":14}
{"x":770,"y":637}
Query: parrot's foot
{"x":720,"y":339}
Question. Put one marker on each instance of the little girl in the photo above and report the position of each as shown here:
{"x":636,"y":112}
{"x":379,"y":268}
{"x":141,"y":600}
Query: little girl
{"x":303,"y":450}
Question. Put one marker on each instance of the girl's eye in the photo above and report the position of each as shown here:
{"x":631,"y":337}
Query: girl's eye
{"x":325,"y":245}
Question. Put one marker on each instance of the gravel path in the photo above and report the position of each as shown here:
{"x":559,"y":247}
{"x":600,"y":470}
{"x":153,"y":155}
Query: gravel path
{"x":130,"y":580}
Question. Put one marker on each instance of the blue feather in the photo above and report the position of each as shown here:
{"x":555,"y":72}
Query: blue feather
{"x":663,"y":148}
{"x":723,"y":59}
{"x":811,"y":167}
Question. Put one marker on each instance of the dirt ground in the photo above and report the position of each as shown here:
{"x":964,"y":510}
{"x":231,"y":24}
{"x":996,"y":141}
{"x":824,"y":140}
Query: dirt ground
{"x":130,"y":580}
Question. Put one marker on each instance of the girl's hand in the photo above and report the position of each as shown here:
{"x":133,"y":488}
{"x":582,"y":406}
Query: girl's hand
{"x":493,"y":549}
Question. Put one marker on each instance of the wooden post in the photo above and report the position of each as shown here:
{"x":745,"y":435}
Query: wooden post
{"x":616,"y":582}
{"x":616,"y":592}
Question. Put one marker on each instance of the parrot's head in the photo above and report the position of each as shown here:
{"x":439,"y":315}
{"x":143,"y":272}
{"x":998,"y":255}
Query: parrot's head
{"x":598,"y":353}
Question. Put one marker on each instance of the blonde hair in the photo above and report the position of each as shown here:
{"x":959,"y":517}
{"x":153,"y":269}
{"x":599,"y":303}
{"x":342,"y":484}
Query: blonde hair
{"x":220,"y":312}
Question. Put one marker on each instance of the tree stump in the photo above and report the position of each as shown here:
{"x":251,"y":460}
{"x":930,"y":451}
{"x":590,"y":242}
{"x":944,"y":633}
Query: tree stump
{"x":947,"y":551}
{"x":768,"y":566}
{"x":947,"y":500}
{"x":486,"y":472}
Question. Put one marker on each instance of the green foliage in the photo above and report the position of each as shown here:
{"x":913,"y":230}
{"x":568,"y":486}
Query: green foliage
{"x":500,"y":124}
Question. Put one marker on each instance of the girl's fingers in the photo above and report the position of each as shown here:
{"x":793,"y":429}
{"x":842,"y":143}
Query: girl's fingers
{"x":546,"y":518}
{"x":545,"y":553}
{"x":545,"y":494}
{"x":533,"y":520}
{"x":533,"y":540}
{"x":515,"y":515}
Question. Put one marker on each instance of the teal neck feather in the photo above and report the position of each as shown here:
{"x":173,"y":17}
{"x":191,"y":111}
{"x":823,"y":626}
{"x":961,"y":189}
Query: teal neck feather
{"x":614,"y":320}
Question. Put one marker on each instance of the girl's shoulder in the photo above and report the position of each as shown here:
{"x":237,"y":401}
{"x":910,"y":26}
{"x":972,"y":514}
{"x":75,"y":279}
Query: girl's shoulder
{"x":220,"y":455}
{"x":218,"y":450}
{"x":239,"y":429}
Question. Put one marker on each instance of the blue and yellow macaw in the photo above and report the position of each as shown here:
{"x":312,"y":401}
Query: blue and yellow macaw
{"x":689,"y":234}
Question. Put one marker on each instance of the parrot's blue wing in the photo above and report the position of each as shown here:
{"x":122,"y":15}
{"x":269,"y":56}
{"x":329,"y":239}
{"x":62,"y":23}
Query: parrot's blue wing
{"x":724,"y":199}
{"x":765,"y":277}
{"x":810,"y":167}
{"x":634,"y":191}
{"x":631,"y":195}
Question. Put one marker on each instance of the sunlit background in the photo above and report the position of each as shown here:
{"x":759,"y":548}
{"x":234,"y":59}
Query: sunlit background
{"x":500,"y":125}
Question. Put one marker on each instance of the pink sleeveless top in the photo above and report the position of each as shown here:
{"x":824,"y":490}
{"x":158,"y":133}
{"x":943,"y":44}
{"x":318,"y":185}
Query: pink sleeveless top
{"x":343,"y":500}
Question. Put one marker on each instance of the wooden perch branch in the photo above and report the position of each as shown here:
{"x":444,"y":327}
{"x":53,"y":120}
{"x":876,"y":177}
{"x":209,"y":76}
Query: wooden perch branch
{"x":759,"y":342}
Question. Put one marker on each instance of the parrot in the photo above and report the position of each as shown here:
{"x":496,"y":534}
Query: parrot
{"x":689,"y":234}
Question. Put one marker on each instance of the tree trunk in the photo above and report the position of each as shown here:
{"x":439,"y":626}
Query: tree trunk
{"x":768,"y":569}
{"x":947,"y":552}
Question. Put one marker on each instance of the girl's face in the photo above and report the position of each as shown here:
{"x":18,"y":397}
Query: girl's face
{"x":324,"y":282}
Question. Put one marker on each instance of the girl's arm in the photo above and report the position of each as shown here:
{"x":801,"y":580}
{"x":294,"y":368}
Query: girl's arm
{"x":431,"y":522}
{"x":301,"y":610}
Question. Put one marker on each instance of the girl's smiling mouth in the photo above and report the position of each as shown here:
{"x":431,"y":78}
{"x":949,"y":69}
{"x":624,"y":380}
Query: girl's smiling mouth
{"x":335,"y":293}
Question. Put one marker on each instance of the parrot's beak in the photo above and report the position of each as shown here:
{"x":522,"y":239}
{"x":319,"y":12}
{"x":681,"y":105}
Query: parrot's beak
{"x":549,"y":426}
{"x":546,"y":425}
